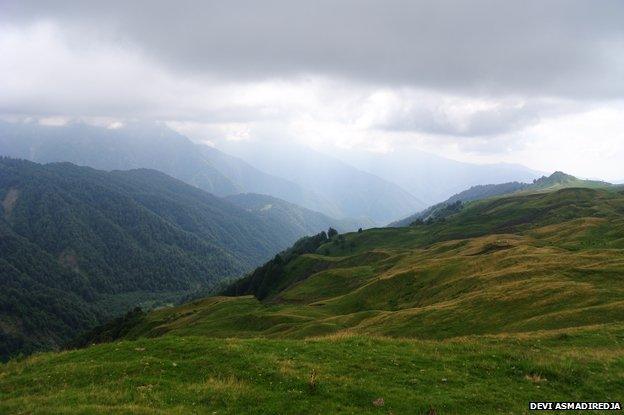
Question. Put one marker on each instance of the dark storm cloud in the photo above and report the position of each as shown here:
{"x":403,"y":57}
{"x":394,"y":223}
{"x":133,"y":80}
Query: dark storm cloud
{"x":531,"y":47}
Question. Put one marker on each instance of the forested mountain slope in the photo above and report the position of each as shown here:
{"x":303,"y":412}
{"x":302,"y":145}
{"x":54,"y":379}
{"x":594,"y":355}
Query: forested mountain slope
{"x":300,"y":221}
{"x":109,"y":241}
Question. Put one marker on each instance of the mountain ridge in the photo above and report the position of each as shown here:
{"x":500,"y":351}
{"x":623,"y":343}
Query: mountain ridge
{"x":433,"y":178}
{"x":352,"y":193}
{"x":557,"y":180}
{"x":150,"y":146}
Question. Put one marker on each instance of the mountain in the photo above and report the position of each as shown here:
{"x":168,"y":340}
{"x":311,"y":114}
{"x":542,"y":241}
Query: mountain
{"x":354,"y":193}
{"x":561,"y":180}
{"x":557,"y":180}
{"x":152,"y":146}
{"x":432,"y":178}
{"x":294,"y":220}
{"x":474,"y":193}
{"x":80,"y":245}
{"x":136,"y":146}
{"x":520,"y":294}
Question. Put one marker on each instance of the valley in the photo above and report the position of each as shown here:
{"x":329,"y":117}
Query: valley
{"x":80,"y":246}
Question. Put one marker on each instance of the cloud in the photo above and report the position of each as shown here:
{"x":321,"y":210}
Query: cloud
{"x":43,"y":73}
{"x":429,"y":112}
{"x":571,"y":48}
{"x":478,"y":81}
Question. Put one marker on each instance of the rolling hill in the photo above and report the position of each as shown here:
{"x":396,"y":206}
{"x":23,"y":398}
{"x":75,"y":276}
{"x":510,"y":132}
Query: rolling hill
{"x":520,"y":295}
{"x":81,"y":245}
{"x":560,"y":180}
{"x":494,"y":259}
{"x":474,"y":193}
{"x":557,"y":180}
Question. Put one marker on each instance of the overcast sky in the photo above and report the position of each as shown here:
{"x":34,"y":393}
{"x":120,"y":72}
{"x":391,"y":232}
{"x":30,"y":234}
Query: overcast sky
{"x":539,"y":83}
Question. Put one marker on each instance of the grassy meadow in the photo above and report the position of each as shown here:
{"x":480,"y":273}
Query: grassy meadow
{"x":337,"y":374}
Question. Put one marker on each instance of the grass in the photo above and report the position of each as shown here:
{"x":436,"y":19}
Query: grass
{"x":342,"y":374}
{"x":487,"y":285}
{"x":511,"y":300}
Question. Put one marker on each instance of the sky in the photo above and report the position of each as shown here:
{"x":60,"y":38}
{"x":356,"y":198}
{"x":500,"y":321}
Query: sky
{"x":535,"y":82}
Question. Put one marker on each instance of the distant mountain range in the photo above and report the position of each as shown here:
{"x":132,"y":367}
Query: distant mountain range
{"x":432,"y":178}
{"x":368,"y":187}
{"x":79,"y":245}
{"x":555,"y":181}
{"x":152,"y":146}
{"x":315,"y":182}
{"x":355,"y":193}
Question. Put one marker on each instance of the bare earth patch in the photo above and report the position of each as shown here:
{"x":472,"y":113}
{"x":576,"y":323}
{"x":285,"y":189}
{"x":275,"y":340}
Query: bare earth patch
{"x":9,"y":201}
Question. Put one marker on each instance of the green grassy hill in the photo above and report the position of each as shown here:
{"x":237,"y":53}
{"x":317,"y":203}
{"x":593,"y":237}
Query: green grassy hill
{"x":556,"y":181}
{"x":560,"y":180}
{"x":506,"y":301}
{"x":525,"y":263}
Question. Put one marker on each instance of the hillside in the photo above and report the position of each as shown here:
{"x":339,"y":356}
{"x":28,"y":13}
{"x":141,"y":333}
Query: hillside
{"x":494,"y":259}
{"x":300,"y":221}
{"x":561,"y":180}
{"x":556,"y":181}
{"x":339,"y":375}
{"x":474,"y":193}
{"x":80,"y":245}
{"x":521,"y":296}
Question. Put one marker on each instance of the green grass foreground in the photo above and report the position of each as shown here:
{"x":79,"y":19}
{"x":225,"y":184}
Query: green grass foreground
{"x":340,"y":374}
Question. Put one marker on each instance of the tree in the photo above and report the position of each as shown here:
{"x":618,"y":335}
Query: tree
{"x":331,"y":232}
